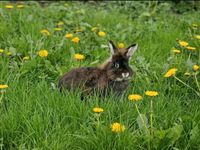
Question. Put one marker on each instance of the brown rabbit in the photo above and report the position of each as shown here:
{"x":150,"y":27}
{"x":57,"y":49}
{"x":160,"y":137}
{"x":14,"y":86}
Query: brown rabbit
{"x":114,"y":74}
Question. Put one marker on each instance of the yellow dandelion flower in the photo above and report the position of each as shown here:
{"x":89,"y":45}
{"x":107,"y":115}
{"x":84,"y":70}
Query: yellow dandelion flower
{"x":79,"y":30}
{"x":26,"y":58}
{"x":43,"y":53}
{"x":9,"y":6}
{"x":197,"y":37}
{"x":60,"y":23}
{"x":183,"y":43}
{"x":58,"y":29}
{"x":194,"y":25}
{"x":79,"y":56}
{"x":20,"y":6}
{"x":176,"y":51}
{"x":1,"y":50}
{"x":69,"y":35}
{"x":170,"y":72}
{"x":134,"y":97}
{"x":121,"y":45}
{"x":187,"y":74}
{"x":195,"y":67}
{"x":45,"y":32}
{"x":3,"y":86}
{"x":8,"y":53}
{"x":98,"y":110}
{"x":117,"y":127}
{"x":94,"y":29}
{"x":191,"y":48}
{"x":75,"y":40}
{"x":101,"y":33}
{"x":151,"y":93}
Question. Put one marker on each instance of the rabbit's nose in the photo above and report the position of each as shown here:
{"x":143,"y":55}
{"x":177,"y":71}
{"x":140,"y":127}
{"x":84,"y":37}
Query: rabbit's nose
{"x":125,"y":75}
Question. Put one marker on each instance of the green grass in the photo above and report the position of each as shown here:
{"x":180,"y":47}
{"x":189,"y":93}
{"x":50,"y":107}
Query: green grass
{"x":35,"y":115}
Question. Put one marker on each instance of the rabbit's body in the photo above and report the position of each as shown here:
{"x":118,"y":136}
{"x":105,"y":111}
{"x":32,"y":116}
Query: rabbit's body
{"x":88,"y":79}
{"x":85,"y":78}
{"x":114,"y":75}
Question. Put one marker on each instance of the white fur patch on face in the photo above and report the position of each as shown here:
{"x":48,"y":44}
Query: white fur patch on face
{"x":125,"y":75}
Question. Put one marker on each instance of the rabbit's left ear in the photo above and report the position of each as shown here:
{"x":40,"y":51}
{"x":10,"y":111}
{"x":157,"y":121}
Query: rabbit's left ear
{"x":131,"y":50}
{"x":113,"y":48}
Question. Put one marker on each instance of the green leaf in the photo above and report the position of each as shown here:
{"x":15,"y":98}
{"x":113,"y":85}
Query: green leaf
{"x":29,"y":18}
{"x":86,"y":24}
{"x":104,"y":46}
{"x":72,"y":51}
{"x":194,"y":135}
{"x":189,"y":63}
{"x":94,"y":62}
{"x":12,"y":50}
{"x":174,"y":133}
{"x":145,"y":14}
{"x":160,"y":134}
{"x":142,"y":122}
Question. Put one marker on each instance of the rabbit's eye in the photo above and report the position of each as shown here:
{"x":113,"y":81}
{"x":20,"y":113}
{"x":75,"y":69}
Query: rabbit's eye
{"x":116,"y":65}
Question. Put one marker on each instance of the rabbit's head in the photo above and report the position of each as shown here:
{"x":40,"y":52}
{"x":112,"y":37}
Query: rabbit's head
{"x":117,"y":67}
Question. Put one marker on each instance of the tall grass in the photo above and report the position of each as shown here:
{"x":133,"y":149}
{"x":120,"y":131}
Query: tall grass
{"x":35,"y":115}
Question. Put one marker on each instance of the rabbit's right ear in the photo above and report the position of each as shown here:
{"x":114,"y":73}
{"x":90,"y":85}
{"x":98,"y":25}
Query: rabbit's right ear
{"x":131,"y":49}
{"x":113,"y":48}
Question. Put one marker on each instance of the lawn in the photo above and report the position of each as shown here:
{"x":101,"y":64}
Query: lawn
{"x":38,"y":45}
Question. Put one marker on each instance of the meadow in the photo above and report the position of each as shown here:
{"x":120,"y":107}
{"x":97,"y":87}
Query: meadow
{"x":39,"y":44}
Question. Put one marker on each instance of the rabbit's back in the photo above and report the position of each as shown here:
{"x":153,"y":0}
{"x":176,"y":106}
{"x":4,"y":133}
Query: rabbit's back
{"x":85,"y":78}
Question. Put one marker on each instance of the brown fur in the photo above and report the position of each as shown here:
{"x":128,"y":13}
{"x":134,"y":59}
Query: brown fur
{"x":100,"y":78}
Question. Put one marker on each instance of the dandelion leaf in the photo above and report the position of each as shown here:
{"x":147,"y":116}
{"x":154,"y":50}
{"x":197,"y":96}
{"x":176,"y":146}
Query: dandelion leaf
{"x":174,"y":133}
{"x":142,"y":122}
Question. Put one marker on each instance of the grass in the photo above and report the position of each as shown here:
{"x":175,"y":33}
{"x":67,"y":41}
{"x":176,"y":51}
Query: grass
{"x":35,"y":115}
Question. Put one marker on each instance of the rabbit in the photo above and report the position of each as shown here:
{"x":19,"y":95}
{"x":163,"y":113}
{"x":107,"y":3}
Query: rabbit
{"x":113,"y":75}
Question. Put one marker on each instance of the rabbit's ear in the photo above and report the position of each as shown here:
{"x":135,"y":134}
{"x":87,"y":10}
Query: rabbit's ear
{"x":113,"y":48}
{"x":131,"y":49}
